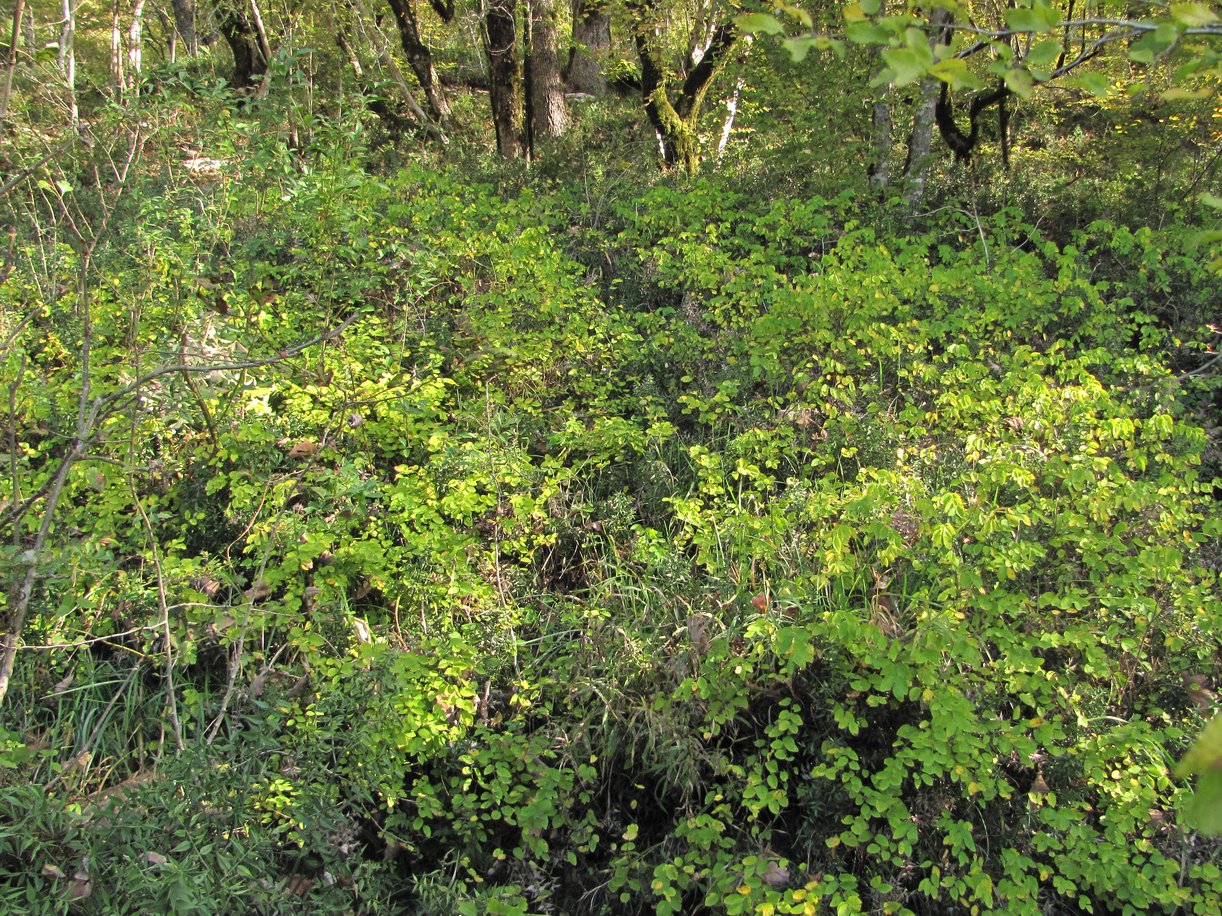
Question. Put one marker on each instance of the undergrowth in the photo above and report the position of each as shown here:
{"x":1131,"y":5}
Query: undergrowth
{"x":448,"y":549}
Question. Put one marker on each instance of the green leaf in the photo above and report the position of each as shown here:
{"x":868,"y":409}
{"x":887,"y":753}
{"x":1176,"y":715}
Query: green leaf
{"x":884,"y":78}
{"x":1019,"y":82}
{"x":1155,"y":42}
{"x":908,"y":64}
{"x":799,"y":47}
{"x":870,"y":7}
{"x":1205,"y":755}
{"x":1039,"y":18}
{"x":1211,"y":200}
{"x":759,"y":24}
{"x":803,"y":17}
{"x":866,"y":33}
{"x":1193,"y":15}
{"x":1179,"y":93}
{"x":1096,"y":84}
{"x":955,"y":72}
{"x":826,"y":43}
{"x":854,"y":13}
{"x":1205,"y":809}
{"x":1044,"y":54}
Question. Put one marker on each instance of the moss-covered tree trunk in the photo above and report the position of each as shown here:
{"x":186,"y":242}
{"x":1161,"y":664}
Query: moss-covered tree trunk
{"x":676,"y":120}
{"x":239,"y":33}
{"x":506,"y":90}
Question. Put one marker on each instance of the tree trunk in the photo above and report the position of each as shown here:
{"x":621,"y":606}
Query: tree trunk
{"x":505,"y":78}
{"x":184,"y":25}
{"x":135,"y":40}
{"x":880,"y":171}
{"x":31,"y":34}
{"x":11,"y":63}
{"x":248,"y":60}
{"x":67,"y":58}
{"x":591,"y":43}
{"x":676,"y":121}
{"x":916,"y":174}
{"x":265,"y":46}
{"x":420,"y":59}
{"x":548,"y":112}
{"x":118,"y":83}
{"x":727,"y":126}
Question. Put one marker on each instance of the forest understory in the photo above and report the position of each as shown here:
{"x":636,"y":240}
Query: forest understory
{"x":747,"y":482}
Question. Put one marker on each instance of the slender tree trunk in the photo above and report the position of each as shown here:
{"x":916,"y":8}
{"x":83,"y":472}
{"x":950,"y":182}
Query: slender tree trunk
{"x":117,"y":82}
{"x":880,"y":172}
{"x":362,"y":14}
{"x":265,"y":47}
{"x":591,"y":43}
{"x":420,"y":59}
{"x":67,"y":58}
{"x":506,"y":93}
{"x":394,"y":122}
{"x":31,"y":34}
{"x":184,"y":25}
{"x":727,"y":126}
{"x":916,"y":175}
{"x":548,"y":111}
{"x":135,"y":40}
{"x":11,"y":64}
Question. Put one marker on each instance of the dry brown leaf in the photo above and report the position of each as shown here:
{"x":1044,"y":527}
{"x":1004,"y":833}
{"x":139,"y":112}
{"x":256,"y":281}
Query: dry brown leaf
{"x":206,"y":585}
{"x":776,"y":876}
{"x":258,"y":591}
{"x":303,"y":449}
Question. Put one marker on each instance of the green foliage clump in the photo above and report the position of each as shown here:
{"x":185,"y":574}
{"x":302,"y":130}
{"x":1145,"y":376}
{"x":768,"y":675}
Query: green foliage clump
{"x":444,"y":549}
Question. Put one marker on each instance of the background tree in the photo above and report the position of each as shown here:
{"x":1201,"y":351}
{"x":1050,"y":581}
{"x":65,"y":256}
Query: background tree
{"x":673,"y":100}
{"x":549,"y":115}
{"x":250,"y":60}
{"x":590,"y":45}
{"x":507,"y":94}
{"x":420,"y":59}
{"x":184,"y":28}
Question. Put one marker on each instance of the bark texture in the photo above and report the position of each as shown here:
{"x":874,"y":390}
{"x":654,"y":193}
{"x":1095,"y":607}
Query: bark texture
{"x":420,"y":59}
{"x":548,"y":111}
{"x":916,"y":174}
{"x":506,"y":92}
{"x":676,"y":120}
{"x":591,"y":43}
{"x":184,"y":25}
{"x":881,"y":126}
{"x":11,"y":64}
{"x":249,"y":62}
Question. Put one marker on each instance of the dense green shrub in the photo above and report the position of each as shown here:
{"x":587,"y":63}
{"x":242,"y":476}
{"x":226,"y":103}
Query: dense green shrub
{"x":483,"y":553}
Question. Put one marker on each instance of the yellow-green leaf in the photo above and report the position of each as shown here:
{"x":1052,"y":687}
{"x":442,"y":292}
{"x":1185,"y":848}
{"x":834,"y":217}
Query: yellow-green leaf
{"x":759,"y":24}
{"x":1193,"y":15}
